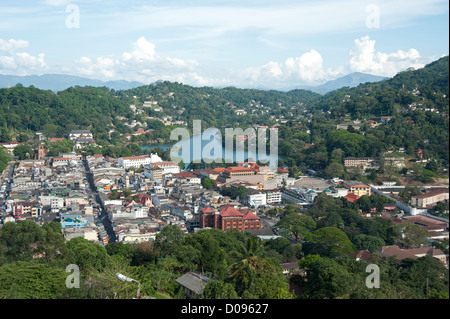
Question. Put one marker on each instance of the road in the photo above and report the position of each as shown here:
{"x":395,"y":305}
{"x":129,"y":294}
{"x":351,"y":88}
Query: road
{"x":102,"y":216}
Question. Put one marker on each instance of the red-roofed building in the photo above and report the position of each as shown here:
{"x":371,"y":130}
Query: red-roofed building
{"x":229,"y":217}
{"x":430,"y":198}
{"x":352,"y":198}
{"x":282,"y":170}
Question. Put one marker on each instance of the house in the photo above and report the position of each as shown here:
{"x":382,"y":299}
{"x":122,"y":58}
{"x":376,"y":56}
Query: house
{"x":344,"y":126}
{"x":283,"y":171}
{"x":357,"y":188}
{"x":10,"y":146}
{"x":188,"y":177}
{"x":352,"y":198}
{"x":414,"y":253}
{"x":81,"y":142}
{"x":385,"y":119}
{"x":430,"y":198}
{"x":76,"y":134}
{"x":364,"y":255}
{"x":263,"y":233}
{"x":168,"y":167}
{"x":193,"y":284}
{"x":290,"y":268}
{"x":437,"y":230}
{"x":394,"y":161}
{"x":390,"y":207}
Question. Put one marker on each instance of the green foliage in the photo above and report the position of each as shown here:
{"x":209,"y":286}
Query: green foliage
{"x":23,"y":152}
{"x":219,"y":290}
{"x":328,"y":241}
{"x":234,"y":192}
{"x":4,"y":158}
{"x":297,"y":225}
{"x":208,"y":183}
{"x":28,"y":280}
{"x":64,"y":146}
{"x":87,"y":255}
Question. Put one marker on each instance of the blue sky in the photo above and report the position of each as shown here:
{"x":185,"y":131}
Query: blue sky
{"x":274,"y":44}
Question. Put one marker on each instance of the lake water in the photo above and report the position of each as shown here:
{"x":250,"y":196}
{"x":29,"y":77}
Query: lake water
{"x":189,"y":150}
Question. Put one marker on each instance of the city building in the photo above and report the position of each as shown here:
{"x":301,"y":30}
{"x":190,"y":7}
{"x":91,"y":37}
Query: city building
{"x":228,"y":217}
{"x":357,"y":188}
{"x":361,"y":162}
{"x":430,"y":198}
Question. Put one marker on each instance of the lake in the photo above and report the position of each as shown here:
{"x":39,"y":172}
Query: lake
{"x":190,"y":150}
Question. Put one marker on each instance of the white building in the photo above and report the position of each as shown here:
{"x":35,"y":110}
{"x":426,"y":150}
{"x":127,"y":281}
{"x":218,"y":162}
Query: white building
{"x":256,"y":199}
{"x":337,"y":192}
{"x":135,"y":235}
{"x":273,"y":196}
{"x":133,"y":161}
{"x":76,"y":134}
{"x":168,"y":167}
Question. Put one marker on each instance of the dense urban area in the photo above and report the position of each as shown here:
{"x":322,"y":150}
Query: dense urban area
{"x":362,"y":179}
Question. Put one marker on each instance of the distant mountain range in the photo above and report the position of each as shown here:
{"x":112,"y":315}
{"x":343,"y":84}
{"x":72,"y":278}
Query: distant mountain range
{"x":59,"y":82}
{"x":350,"y":80}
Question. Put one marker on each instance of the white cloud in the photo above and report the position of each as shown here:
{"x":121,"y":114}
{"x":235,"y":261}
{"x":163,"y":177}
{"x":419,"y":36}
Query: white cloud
{"x":303,"y":70}
{"x":56,"y":2}
{"x":364,"y":58}
{"x":141,"y":64}
{"x":308,"y":69}
{"x":20,"y":63}
{"x":12,"y":45}
{"x":144,"y":51}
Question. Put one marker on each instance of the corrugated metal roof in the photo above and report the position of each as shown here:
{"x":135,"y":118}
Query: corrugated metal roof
{"x":194,"y":282}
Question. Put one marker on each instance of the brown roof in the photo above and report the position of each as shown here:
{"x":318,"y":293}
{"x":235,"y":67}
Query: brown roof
{"x":185,"y":174}
{"x":432,"y":193}
{"x":206,"y":210}
{"x":352,"y":197}
{"x":414,"y":253}
{"x":250,"y":216}
{"x":134,"y":157}
{"x":239,"y":169}
{"x":282,"y":170}
{"x":426,"y":221}
{"x":229,"y":211}
{"x":364,"y":255}
{"x":166,"y":163}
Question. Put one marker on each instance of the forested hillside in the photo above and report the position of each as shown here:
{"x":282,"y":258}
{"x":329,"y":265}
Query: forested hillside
{"x":416,"y":100}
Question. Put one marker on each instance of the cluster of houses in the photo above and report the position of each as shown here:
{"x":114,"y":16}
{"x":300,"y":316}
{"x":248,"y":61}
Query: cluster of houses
{"x":53,"y":189}
{"x":140,"y":195}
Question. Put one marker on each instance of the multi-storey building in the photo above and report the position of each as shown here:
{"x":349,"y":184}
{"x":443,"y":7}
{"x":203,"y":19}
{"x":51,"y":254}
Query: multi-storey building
{"x":357,"y":188}
{"x":228,"y":217}
{"x":362,"y":162}
{"x":430,"y":198}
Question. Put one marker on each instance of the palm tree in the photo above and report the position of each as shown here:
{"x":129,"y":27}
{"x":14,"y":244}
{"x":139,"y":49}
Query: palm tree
{"x":249,"y":264}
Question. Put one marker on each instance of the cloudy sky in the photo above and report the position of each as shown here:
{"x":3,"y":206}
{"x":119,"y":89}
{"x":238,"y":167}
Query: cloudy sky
{"x":246,"y":43}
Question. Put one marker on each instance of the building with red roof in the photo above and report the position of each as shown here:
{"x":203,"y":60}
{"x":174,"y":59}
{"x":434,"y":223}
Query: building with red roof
{"x":352,"y":198}
{"x":228,"y":217}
